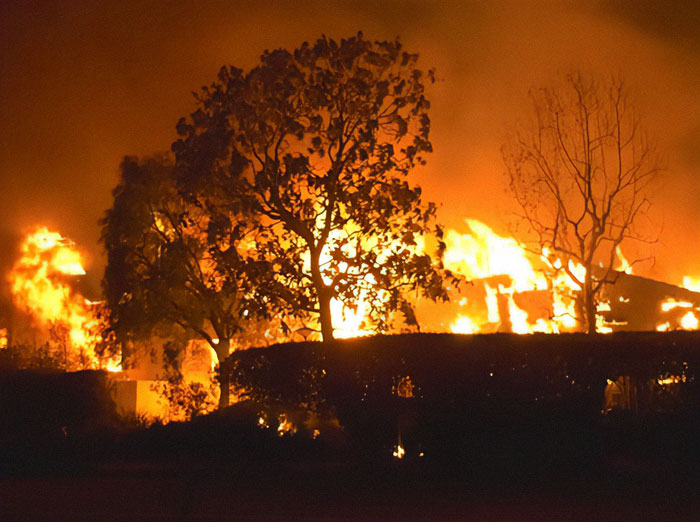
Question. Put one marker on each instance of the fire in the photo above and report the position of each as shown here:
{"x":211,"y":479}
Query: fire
{"x":625,"y":266}
{"x":39,"y":283}
{"x":516,"y":289}
{"x":689,"y":321}
{"x":691,"y":283}
{"x":502,"y":268}
{"x":463,"y":324}
{"x":670,"y":304}
{"x":352,"y":323}
{"x":483,"y":253}
{"x":285,"y":426}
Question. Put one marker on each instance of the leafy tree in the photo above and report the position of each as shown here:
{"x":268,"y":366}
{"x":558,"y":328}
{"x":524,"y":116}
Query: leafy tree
{"x":185,"y":399}
{"x":580,"y":172}
{"x":318,"y":144}
{"x":160,"y":267}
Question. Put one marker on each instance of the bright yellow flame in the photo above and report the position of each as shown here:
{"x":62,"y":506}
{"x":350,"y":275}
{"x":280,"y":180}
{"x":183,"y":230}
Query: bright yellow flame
{"x":494,"y":315}
{"x":349,"y":323}
{"x":39,"y":285}
{"x":625,"y":266}
{"x":673,"y":379}
{"x":664,"y":327}
{"x":464,"y":325}
{"x":691,"y":283}
{"x":399,"y":452}
{"x":671,"y":303}
{"x":689,"y":321}
{"x":518,"y":317}
{"x":481,"y":254}
{"x":3,"y":338}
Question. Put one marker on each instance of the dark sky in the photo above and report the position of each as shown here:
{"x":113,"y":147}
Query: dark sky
{"x":83,"y":83}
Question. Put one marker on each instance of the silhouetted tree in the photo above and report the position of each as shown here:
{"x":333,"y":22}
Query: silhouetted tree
{"x":318,"y":143}
{"x":581,"y":172}
{"x":161,"y":265}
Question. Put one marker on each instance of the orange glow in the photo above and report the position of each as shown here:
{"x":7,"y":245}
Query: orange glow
{"x":39,"y":282}
{"x":285,"y":426}
{"x":689,"y":319}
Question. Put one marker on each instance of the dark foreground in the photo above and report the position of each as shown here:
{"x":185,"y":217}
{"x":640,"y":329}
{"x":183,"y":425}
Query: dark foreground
{"x":495,"y":428}
{"x":332,"y":493}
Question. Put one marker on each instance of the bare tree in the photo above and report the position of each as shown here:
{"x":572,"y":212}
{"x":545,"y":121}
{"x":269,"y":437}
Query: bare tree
{"x":580,"y":172}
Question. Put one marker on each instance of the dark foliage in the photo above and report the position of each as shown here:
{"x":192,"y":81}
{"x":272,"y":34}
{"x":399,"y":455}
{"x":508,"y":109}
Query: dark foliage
{"x":501,"y":401}
{"x":162,"y":274}
{"x":51,"y":419}
{"x":314,"y":147}
{"x":230,"y":438}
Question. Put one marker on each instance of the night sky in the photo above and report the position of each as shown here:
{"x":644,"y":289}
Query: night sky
{"x":83,"y":83}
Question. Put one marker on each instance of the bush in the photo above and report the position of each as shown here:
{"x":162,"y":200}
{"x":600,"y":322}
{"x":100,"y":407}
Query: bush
{"x":473,"y":396}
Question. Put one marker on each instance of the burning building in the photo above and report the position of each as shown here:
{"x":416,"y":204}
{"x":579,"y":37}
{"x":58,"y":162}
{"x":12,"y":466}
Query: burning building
{"x":507,"y":289}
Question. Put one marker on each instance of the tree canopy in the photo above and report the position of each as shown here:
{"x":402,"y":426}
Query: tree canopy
{"x":580,"y":170}
{"x":161,"y":264}
{"x":315,"y":146}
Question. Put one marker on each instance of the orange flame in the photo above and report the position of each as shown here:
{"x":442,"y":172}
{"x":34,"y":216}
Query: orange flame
{"x":39,"y":282}
{"x":504,"y":268}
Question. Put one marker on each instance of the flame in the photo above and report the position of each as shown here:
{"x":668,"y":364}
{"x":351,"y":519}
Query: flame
{"x":463,"y":324}
{"x":504,"y":268}
{"x":671,"y":303}
{"x":482,"y":253}
{"x":663,"y":327}
{"x":285,"y":426}
{"x":625,"y":266}
{"x":39,"y":283}
{"x":399,"y":452}
{"x":691,"y":283}
{"x":351,"y":323}
{"x":689,"y":321}
{"x":3,"y":338}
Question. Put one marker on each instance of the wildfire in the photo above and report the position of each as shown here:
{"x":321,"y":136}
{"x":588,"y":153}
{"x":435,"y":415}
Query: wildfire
{"x":39,"y":283}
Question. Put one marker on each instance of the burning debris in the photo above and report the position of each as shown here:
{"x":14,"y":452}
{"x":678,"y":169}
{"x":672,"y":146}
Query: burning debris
{"x":514,"y":290}
{"x":635,"y":303}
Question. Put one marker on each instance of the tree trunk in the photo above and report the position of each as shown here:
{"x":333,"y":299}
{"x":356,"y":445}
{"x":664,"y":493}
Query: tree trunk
{"x":222,"y":352}
{"x":589,"y":302}
{"x":324,"y":306}
{"x":324,"y":298}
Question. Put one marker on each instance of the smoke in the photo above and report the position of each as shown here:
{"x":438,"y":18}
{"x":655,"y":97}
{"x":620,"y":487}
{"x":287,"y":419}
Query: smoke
{"x":84,"y":84}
